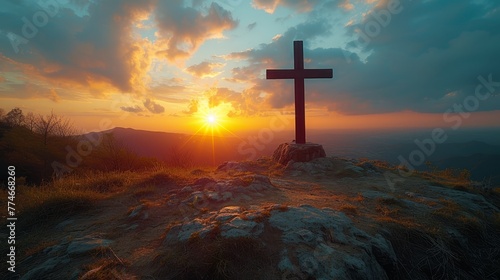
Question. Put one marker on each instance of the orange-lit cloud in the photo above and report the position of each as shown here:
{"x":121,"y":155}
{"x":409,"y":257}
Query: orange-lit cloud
{"x":183,"y":29}
{"x":270,"y":5}
{"x":346,"y":5}
{"x":192,"y":107}
{"x":102,"y":53}
{"x":98,"y":52}
{"x":132,"y":109}
{"x":153,"y":106}
{"x":205,"y":69}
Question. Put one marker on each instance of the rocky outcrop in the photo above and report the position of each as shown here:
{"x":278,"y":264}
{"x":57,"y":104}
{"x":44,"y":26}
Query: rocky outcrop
{"x":60,"y":255}
{"x":206,"y":191}
{"x":369,"y":231}
{"x":325,"y":244}
{"x":315,"y":243}
{"x":337,"y":167}
{"x":297,"y":152}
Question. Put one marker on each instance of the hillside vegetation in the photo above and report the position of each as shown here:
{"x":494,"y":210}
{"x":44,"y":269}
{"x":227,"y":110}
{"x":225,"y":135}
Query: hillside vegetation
{"x":328,"y":218}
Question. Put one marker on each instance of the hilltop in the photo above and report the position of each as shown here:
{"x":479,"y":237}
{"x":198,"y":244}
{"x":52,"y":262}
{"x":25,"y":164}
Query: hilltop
{"x":331,"y":218}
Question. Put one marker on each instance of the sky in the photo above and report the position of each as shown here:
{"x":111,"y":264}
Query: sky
{"x":169,"y":65}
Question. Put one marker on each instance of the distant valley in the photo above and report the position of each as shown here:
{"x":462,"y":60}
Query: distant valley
{"x":481,"y":157}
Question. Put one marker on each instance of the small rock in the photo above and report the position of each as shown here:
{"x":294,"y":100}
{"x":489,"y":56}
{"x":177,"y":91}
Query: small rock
{"x":64,"y":224}
{"x":213,"y":196}
{"x":225,"y":217}
{"x":203,"y":181}
{"x":188,"y":229}
{"x":132,"y":227}
{"x":230,"y":209}
{"x":49,"y":266}
{"x":241,"y":228}
{"x":86,"y":244}
{"x":136,"y":211}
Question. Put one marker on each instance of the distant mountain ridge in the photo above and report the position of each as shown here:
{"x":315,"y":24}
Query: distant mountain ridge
{"x":482,"y":159}
{"x":196,"y":149}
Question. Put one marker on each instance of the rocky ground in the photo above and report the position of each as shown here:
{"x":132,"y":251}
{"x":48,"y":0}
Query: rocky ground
{"x":329,"y":218}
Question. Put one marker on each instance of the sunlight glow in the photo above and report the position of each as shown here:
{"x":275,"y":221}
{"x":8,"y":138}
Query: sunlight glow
{"x":211,"y":119}
{"x":211,"y":122}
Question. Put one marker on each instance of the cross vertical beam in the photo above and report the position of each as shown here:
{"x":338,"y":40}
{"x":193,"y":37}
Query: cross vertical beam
{"x":300,"y":107}
{"x":299,"y":74}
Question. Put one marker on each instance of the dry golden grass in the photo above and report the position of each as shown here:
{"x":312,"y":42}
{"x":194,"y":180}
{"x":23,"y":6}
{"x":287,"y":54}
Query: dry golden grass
{"x":348,"y":208}
{"x":359,"y":198}
{"x":106,"y":267}
{"x":73,"y":191}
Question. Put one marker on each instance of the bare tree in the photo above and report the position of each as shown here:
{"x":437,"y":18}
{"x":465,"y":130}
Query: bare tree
{"x":30,"y":121}
{"x":52,"y":126}
{"x":15,"y":117}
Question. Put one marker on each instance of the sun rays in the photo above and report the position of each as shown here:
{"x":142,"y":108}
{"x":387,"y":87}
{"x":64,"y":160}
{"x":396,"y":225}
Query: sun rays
{"x":212,"y":125}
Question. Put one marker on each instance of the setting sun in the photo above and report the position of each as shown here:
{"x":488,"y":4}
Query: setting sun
{"x":211,"y":119}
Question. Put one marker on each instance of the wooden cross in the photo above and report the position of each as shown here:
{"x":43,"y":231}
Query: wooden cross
{"x":299,"y":74}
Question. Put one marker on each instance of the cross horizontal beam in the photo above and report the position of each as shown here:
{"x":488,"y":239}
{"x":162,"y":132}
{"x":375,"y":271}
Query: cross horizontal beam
{"x":299,"y":74}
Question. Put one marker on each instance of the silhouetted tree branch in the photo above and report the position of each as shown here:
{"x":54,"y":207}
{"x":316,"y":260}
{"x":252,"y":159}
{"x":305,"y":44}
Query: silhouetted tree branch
{"x":52,"y":126}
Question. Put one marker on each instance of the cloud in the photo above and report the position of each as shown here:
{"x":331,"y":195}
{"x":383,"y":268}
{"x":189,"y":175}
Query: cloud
{"x":204,"y":69}
{"x":248,"y":102}
{"x":421,"y":55}
{"x":347,"y":5}
{"x":275,"y":55}
{"x":54,"y":96}
{"x":98,"y":51}
{"x":183,"y":29}
{"x":153,"y":107}
{"x":24,"y":89}
{"x":301,"y":6}
{"x":97,"y":47}
{"x":251,"y":26}
{"x":132,"y":109}
{"x":270,"y":5}
{"x":192,"y":107}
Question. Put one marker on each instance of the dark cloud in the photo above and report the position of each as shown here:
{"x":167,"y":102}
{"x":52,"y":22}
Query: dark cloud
{"x":132,"y":109}
{"x":153,"y":107}
{"x":251,"y":26}
{"x":426,"y":58}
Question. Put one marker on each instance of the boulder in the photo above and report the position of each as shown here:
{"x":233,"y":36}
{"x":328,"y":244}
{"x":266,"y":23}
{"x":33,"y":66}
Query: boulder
{"x":315,"y":243}
{"x":241,"y":228}
{"x":325,"y":244}
{"x":298,"y":152}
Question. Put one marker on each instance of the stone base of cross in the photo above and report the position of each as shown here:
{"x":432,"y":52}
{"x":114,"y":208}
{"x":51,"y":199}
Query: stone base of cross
{"x":297,"y":152}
